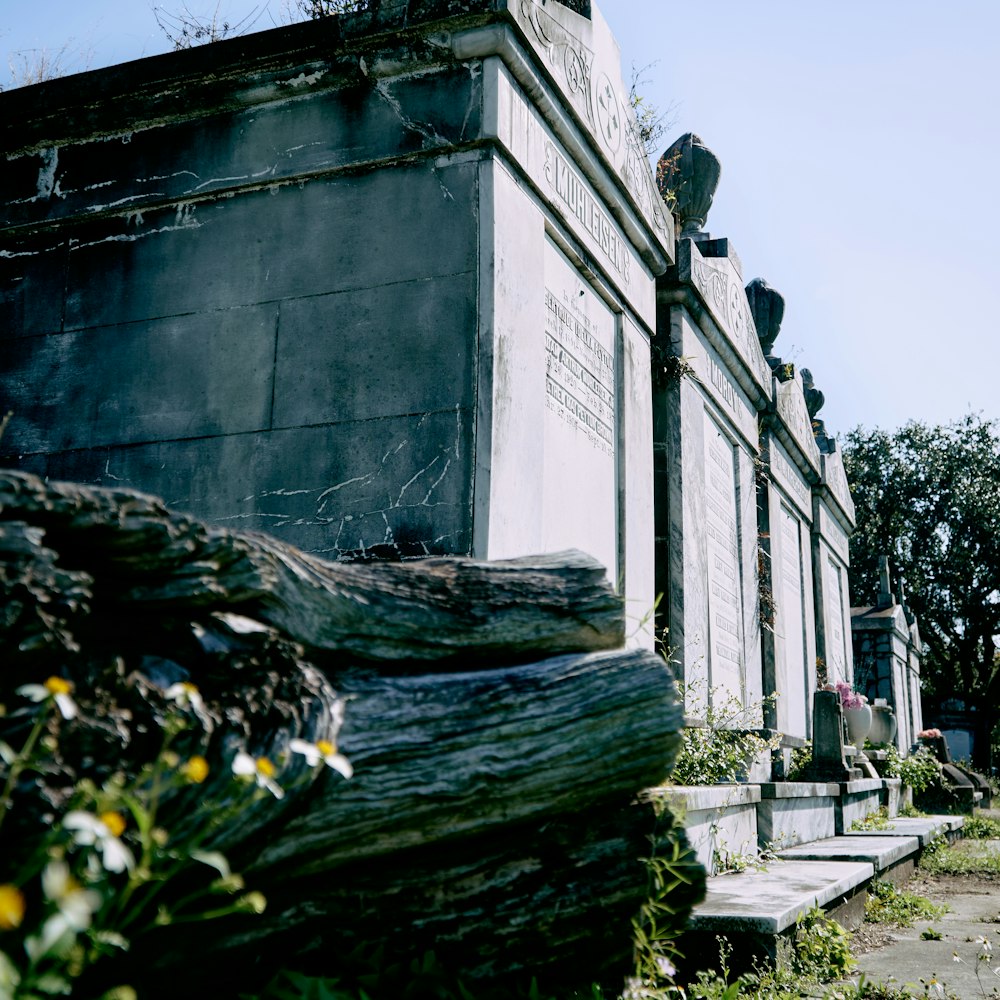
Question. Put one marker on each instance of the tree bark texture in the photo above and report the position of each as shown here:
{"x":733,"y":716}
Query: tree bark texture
{"x":499,"y":740}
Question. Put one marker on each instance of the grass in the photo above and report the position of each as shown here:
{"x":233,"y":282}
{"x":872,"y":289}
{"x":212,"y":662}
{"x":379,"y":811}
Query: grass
{"x":888,"y":905}
{"x":878,"y":820}
{"x":981,"y":828}
{"x":940,"y":858}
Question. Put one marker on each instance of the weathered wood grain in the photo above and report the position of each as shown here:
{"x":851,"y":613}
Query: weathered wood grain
{"x":431,"y":609}
{"x":499,"y":748}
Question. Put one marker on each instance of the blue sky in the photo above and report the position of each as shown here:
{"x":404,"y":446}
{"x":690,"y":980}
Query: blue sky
{"x":859,"y":143}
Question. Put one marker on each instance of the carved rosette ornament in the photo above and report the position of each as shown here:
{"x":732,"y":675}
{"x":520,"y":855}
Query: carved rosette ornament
{"x":768,"y":308}
{"x":687,"y":176}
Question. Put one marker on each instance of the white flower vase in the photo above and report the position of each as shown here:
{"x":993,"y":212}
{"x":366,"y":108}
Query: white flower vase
{"x":883,"y":724}
{"x":859,"y":724}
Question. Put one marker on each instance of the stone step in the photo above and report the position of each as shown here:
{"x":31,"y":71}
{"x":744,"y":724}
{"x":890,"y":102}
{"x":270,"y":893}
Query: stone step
{"x":924,"y":828}
{"x":757,"y":908}
{"x":884,"y":853}
{"x":770,"y":900}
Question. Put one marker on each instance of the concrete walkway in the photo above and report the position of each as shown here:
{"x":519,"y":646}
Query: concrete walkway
{"x":974,"y":915}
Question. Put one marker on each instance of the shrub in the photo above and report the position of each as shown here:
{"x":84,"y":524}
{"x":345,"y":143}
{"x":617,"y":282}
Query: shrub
{"x":920,"y":770}
{"x":822,"y":947}
{"x":720,"y":751}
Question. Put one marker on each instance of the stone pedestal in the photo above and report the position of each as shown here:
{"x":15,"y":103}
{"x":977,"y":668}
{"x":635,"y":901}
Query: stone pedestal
{"x":828,"y":760}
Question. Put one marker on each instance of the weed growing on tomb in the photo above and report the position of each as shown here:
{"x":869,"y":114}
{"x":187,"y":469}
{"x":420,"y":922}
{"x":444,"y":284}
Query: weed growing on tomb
{"x":820,"y":955}
{"x":822,"y":947}
{"x":651,"y":123}
{"x":920,"y":770}
{"x":878,"y":820}
{"x":888,"y":905}
{"x":185,"y":30}
{"x":723,"y":750}
{"x":801,"y":759}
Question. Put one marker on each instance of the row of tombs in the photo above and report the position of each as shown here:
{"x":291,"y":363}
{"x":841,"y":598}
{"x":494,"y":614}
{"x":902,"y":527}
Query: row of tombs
{"x":410,"y":287}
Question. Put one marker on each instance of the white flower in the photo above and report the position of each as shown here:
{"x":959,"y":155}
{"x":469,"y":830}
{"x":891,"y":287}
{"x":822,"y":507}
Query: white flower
{"x":985,"y":942}
{"x":76,"y":908}
{"x":665,"y":966}
{"x":325,"y":751}
{"x":259,"y":768}
{"x":184,"y":694}
{"x":101,"y":831}
{"x":57,"y":688}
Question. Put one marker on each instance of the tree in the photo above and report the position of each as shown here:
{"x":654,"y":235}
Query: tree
{"x":929,"y":498}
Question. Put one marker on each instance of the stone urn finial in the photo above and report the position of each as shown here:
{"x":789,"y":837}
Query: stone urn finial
{"x":687,"y":176}
{"x":814,"y":397}
{"x":768,"y":308}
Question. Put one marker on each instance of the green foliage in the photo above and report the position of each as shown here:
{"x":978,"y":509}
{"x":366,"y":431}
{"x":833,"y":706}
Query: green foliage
{"x":722,"y":750}
{"x":890,"y":768}
{"x":920,"y":770}
{"x":929,"y":497}
{"x":657,"y":927}
{"x":822,"y":947}
{"x":878,"y":820}
{"x":941,"y":858}
{"x":930,"y":934}
{"x":866,"y":990}
{"x":821,"y":954}
{"x":95,"y":861}
{"x":801,"y":758}
{"x":888,"y":905}
{"x":981,"y":828}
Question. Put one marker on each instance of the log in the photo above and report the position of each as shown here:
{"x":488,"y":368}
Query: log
{"x":498,"y":746}
{"x":158,"y":561}
{"x":493,"y":818}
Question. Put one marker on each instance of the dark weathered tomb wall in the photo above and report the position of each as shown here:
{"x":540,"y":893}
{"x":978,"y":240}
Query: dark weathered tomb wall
{"x":265,"y":313}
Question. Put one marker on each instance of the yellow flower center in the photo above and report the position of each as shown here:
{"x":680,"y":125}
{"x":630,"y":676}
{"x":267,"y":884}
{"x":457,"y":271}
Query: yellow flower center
{"x":11,"y":907}
{"x":114,"y":822}
{"x":195,"y":770}
{"x":58,"y":685}
{"x":325,"y":747}
{"x":265,"y":767}
{"x":189,"y":688}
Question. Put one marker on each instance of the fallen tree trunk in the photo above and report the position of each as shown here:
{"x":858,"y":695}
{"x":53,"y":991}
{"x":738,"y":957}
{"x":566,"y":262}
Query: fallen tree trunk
{"x":158,"y":562}
{"x":493,"y":813}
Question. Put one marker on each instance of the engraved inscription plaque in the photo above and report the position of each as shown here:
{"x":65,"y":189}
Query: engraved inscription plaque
{"x":792,"y":683}
{"x":836,"y":651}
{"x":725,"y":617}
{"x":580,"y":506}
